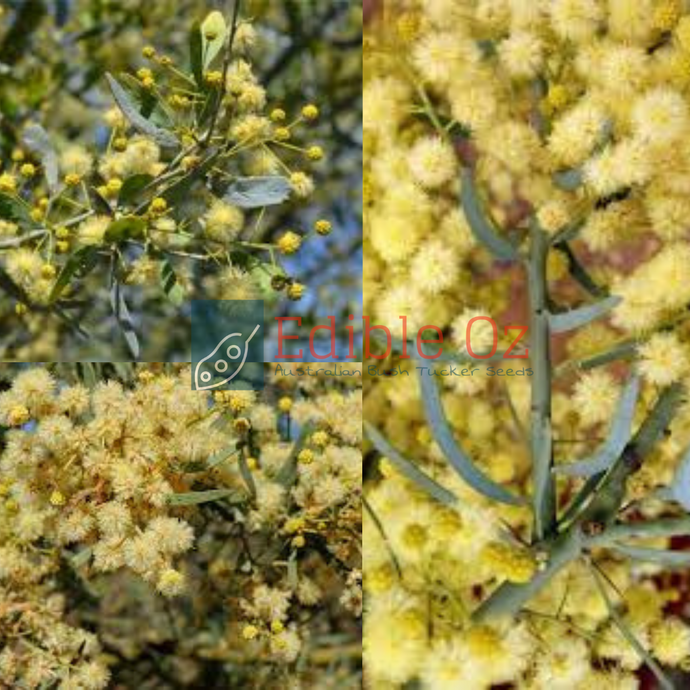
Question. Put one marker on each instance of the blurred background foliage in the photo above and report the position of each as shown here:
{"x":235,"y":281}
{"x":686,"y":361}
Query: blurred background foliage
{"x":53,"y":55}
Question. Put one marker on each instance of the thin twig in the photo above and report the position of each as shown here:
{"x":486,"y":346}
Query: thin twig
{"x":226,"y":65}
{"x":18,"y":241}
{"x":625,"y":631}
{"x":382,"y":532}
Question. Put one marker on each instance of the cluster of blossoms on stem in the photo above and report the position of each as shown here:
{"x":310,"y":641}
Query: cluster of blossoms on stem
{"x":218,"y":500}
{"x":177,"y":198}
{"x":571,"y":117}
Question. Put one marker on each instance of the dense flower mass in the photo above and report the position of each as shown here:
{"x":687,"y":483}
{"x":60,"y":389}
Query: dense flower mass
{"x":231,"y":504}
{"x":528,"y":162}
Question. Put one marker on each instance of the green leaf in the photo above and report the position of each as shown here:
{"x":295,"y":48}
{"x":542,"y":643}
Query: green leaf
{"x":13,"y":209}
{"x":575,"y":318}
{"x":623,"y":351}
{"x":138,"y":121}
{"x":11,"y":288}
{"x":195,"y":497}
{"x":196,"y":54}
{"x":568,"y":180}
{"x":124,"y":319}
{"x":213,"y":31}
{"x":484,"y":229}
{"x":582,"y":498}
{"x":680,"y":488}
{"x":256,"y":192}
{"x":409,"y":469}
{"x":81,"y":558}
{"x":147,"y":102}
{"x":82,"y":262}
{"x":36,"y":139}
{"x":124,"y":370}
{"x":643,"y":529}
{"x":100,"y":203}
{"x":87,"y":374}
{"x":125,"y":228}
{"x":610,"y":494}
{"x":287,"y":474}
{"x":629,"y":635}
{"x":179,"y":189}
{"x":132,"y":187}
{"x":292,"y":573}
{"x":578,"y":271}
{"x":618,"y":437}
{"x":382,"y":533}
{"x":222,"y":456}
{"x":461,"y":463}
{"x":247,"y":475}
{"x":171,"y":287}
{"x":669,"y":559}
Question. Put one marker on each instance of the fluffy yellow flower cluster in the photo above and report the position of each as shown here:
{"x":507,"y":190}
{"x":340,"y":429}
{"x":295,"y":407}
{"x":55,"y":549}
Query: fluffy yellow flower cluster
{"x":554,"y":134}
{"x":123,"y":481}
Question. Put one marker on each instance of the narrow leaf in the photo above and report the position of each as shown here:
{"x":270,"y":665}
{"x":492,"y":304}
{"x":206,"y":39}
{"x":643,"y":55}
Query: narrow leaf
{"x":195,"y":497}
{"x":125,"y":228}
{"x":132,"y":187}
{"x":171,"y":286}
{"x":99,"y":202}
{"x":287,"y":474}
{"x":138,"y":121}
{"x":581,"y":500}
{"x":382,"y":533}
{"x":575,"y":318}
{"x":483,"y":228}
{"x":629,"y":635}
{"x":11,"y":288}
{"x":292,"y":572}
{"x":643,"y":529}
{"x":623,"y":351}
{"x":81,"y":558}
{"x":71,"y":322}
{"x":195,"y":53}
{"x":11,"y":208}
{"x":36,"y":139}
{"x":222,"y":456}
{"x":578,"y":271}
{"x":145,"y":101}
{"x":213,"y":31}
{"x":86,"y":371}
{"x":255,"y":192}
{"x":680,"y":489}
{"x":568,"y":180}
{"x":180,"y":188}
{"x":669,"y":559}
{"x":247,"y":475}
{"x":619,"y":436}
{"x":409,"y":469}
{"x":124,"y":319}
{"x":457,"y":457}
{"x":78,"y":265}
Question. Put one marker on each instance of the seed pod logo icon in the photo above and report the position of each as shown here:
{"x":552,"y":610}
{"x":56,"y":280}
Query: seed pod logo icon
{"x":235,"y":353}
